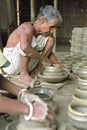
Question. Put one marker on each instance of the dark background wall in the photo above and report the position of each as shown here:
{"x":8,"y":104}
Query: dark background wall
{"x":74,"y":13}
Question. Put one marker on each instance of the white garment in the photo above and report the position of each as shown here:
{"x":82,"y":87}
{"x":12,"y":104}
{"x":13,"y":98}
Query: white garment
{"x":39,"y":42}
{"x":13,"y":55}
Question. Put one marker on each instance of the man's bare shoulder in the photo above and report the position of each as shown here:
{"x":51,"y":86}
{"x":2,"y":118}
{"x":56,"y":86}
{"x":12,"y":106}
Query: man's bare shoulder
{"x":27,"y":26}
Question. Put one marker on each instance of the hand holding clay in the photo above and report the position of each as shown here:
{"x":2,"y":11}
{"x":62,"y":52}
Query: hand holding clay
{"x":38,"y":108}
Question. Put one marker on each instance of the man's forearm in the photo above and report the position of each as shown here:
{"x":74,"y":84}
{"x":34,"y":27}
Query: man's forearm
{"x":9,"y":86}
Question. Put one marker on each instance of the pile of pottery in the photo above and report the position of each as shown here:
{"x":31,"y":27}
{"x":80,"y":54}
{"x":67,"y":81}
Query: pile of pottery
{"x":75,"y":66}
{"x":77,"y":110}
{"x":76,"y":41}
{"x":53,"y":74}
{"x":84,"y":43}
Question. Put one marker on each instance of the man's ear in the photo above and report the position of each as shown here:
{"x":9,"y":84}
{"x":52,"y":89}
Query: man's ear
{"x":43,"y":19}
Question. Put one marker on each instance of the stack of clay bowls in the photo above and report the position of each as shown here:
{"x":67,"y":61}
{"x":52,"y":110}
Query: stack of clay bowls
{"x":76,"y":41}
{"x":77,"y":109}
{"x":82,"y":77}
{"x":75,"y":66}
{"x":77,"y":112}
{"x":84,"y":43}
{"x":53,"y":74}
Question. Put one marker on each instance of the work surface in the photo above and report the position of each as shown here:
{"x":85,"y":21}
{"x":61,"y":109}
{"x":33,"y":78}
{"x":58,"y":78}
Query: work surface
{"x":63,"y":96}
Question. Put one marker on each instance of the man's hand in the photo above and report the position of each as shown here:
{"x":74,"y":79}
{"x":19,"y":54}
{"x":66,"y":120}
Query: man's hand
{"x":45,"y":61}
{"x":40,"y":108}
{"x":41,"y":112}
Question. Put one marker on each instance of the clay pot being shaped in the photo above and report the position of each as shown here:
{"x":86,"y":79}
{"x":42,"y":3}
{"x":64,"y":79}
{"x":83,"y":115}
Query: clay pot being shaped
{"x":53,"y":74}
{"x":77,"y":113}
{"x":47,"y":95}
{"x":53,"y":70}
{"x":43,"y":93}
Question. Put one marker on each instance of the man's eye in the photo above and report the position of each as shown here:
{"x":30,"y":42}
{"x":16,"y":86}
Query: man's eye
{"x":53,"y":26}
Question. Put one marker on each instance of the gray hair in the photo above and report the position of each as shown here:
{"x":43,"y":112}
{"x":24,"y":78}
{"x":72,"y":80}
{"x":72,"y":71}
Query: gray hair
{"x":50,"y":13}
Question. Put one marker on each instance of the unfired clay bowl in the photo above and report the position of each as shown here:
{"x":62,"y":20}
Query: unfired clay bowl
{"x":80,"y":96}
{"x":81,"y":91}
{"x":45,"y":94}
{"x":82,"y":81}
{"x":77,"y":113}
{"x":82,"y":87}
{"x":53,"y":68}
{"x":82,"y":71}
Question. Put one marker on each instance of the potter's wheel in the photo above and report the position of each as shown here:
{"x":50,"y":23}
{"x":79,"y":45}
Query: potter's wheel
{"x":53,"y":79}
{"x":13,"y":126}
{"x":16,"y":125}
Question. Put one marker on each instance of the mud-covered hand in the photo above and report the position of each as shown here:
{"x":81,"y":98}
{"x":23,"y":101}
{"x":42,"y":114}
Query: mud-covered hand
{"x":38,"y":106}
{"x":66,"y":69}
{"x":40,"y":111}
{"x":25,"y":96}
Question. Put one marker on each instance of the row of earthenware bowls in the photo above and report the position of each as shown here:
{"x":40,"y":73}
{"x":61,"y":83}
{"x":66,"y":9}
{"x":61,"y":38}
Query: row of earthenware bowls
{"x":77,"y":109}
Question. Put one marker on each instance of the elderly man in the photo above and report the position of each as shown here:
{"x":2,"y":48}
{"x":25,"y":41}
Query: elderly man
{"x":32,"y":40}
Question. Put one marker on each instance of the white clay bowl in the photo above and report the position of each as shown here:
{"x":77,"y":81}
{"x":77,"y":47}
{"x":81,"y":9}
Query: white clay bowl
{"x":77,"y":113}
{"x":82,"y":87}
{"x":82,"y":81}
{"x":80,"y":96}
{"x":82,"y":71}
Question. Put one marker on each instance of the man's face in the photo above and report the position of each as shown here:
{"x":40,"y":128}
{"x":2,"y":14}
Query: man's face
{"x":48,"y":27}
